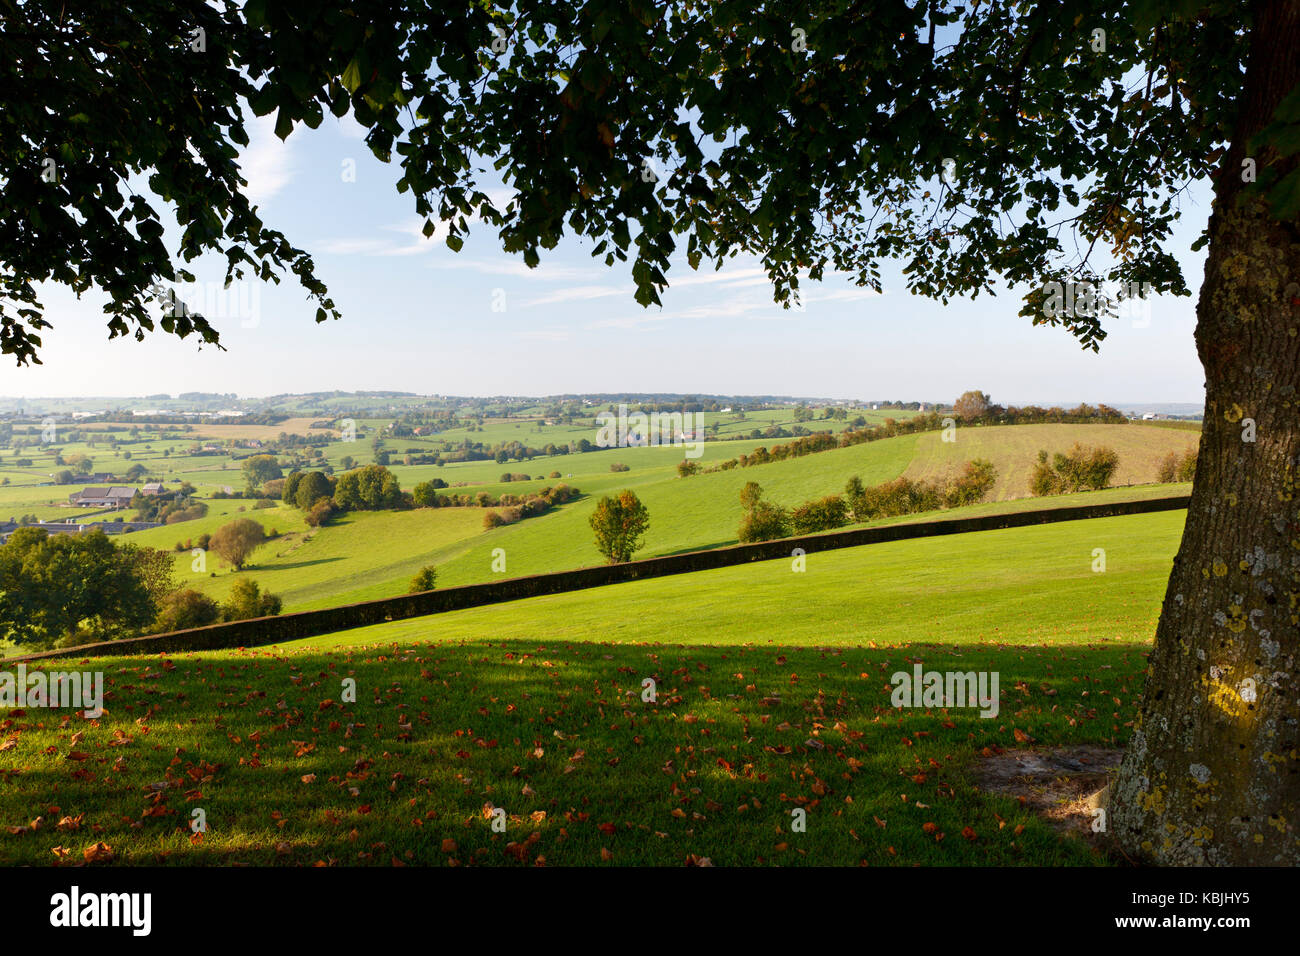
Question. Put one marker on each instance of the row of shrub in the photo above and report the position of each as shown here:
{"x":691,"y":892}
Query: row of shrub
{"x":169,"y":508}
{"x":188,"y":608}
{"x":891,"y":428}
{"x":1176,"y":467}
{"x":1082,"y":468}
{"x":518,"y":507}
{"x":765,"y":521}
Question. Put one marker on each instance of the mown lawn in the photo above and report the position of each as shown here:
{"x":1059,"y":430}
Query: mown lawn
{"x":557,"y":735}
{"x":772,"y":695}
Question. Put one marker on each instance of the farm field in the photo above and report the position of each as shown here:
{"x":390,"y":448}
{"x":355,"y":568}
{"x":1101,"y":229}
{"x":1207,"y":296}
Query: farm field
{"x":363,"y":555}
{"x":770,"y":698}
{"x":371,"y":555}
{"x":221,"y":432}
{"x":1014,"y":451}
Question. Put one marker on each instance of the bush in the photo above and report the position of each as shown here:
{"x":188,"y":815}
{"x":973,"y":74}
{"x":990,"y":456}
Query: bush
{"x":555,"y":474}
{"x":686,"y":468}
{"x":425,"y":580}
{"x":764,"y":522}
{"x":492,"y":520}
{"x":236,"y":541}
{"x":902,"y":496}
{"x":1081,"y":468}
{"x":263,"y":503}
{"x":824,"y":514}
{"x":425,"y":495}
{"x":1167,"y":470}
{"x":247,"y":601}
{"x":619,"y":466}
{"x":1043,"y":480}
{"x":1187,"y":466}
{"x":972,"y":485}
{"x":185,"y":609}
{"x":320,"y":512}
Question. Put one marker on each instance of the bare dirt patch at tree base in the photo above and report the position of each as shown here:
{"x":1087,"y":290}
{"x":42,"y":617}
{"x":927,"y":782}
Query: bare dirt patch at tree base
{"x":1061,"y":785}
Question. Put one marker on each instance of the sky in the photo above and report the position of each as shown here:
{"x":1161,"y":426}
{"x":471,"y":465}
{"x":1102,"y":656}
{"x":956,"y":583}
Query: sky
{"x":419,"y":318}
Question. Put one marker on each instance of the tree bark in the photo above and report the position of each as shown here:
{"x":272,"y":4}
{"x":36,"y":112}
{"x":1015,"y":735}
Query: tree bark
{"x":1212,"y":773}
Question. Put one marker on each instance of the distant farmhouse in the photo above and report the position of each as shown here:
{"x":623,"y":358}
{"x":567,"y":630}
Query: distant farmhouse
{"x":117,"y":496}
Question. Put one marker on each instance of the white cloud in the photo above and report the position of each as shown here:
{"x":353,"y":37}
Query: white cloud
{"x":850,"y":294}
{"x":514,"y":268}
{"x":352,"y":247}
{"x":579,"y":293}
{"x":267,"y":163}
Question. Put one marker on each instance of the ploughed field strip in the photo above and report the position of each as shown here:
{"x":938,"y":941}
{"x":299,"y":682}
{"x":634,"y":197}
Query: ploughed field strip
{"x":772,"y":689}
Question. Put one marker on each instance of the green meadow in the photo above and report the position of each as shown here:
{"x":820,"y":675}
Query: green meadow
{"x":770,"y":738}
{"x":361,"y":556}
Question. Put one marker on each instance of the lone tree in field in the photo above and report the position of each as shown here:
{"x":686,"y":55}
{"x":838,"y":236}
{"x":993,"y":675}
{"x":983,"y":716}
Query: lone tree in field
{"x":619,"y":523}
{"x":237,"y":540}
{"x":1043,"y":144}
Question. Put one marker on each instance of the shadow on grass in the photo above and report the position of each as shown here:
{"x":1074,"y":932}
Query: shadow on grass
{"x":743,"y":755}
{"x":292,"y":564}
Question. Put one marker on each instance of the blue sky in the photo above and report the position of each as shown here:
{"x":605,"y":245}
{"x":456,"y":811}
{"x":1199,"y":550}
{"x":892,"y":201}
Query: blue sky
{"x":420,"y":318}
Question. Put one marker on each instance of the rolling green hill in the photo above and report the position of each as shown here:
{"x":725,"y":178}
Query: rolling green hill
{"x":773,"y":691}
{"x":365,"y":556}
{"x":1033,"y":585}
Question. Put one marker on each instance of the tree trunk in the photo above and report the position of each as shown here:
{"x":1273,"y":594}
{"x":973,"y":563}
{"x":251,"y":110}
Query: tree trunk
{"x":1212,"y":774}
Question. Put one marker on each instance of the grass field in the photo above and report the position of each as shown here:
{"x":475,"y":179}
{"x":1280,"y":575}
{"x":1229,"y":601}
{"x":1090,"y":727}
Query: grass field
{"x":364,"y":556}
{"x":772,"y":695}
{"x":1014,"y":451}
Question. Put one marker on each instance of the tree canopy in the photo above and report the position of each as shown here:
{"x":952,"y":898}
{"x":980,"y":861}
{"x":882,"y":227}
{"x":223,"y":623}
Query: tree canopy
{"x":970,"y":142}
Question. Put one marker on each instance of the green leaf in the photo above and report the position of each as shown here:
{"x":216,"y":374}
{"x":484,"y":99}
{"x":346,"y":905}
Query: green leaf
{"x":352,"y":76}
{"x":283,"y":124}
